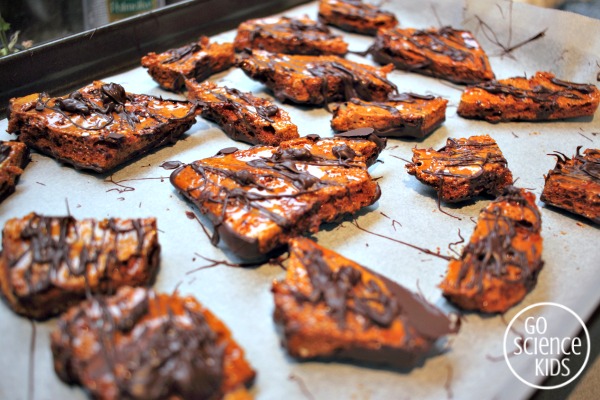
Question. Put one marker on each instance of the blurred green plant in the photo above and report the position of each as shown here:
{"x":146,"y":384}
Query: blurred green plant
{"x":8,"y":44}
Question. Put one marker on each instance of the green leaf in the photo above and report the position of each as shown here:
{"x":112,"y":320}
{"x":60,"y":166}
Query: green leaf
{"x":4,"y":26}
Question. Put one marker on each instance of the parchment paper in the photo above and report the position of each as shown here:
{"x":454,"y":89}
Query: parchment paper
{"x":242,"y":298}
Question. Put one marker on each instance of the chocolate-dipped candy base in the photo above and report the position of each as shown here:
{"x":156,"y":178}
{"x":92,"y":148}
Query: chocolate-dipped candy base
{"x":139,"y":344}
{"x":503,"y":258}
{"x":330,"y":307}
{"x":261,"y":197}
{"x":574,"y":184}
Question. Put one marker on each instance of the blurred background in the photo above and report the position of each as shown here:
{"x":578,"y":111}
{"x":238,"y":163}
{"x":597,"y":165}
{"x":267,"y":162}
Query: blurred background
{"x":28,"y":23}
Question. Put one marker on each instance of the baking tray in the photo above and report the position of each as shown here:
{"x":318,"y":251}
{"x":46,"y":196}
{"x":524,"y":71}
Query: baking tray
{"x":472,"y":367}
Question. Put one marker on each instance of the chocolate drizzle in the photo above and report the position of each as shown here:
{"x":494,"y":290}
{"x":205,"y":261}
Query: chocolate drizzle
{"x":115,"y":102}
{"x":151,"y":347}
{"x":182,"y":53}
{"x":538,"y":94}
{"x":423,"y":48}
{"x":494,"y":254}
{"x":340,"y":79}
{"x":473,"y":155}
{"x":585,"y":166}
{"x":304,"y":33}
{"x":51,"y":243}
{"x":258,"y":184}
{"x":378,"y":300}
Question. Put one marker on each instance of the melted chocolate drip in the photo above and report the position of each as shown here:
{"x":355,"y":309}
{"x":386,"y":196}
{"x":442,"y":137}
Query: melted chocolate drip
{"x":227,"y":150}
{"x":171,"y":165}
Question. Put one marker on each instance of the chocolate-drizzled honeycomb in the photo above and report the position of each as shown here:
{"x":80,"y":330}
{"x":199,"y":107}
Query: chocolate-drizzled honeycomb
{"x":50,"y":263}
{"x":289,"y":35}
{"x":242,"y":115}
{"x":501,"y":262}
{"x":403,"y":115}
{"x":195,"y":61}
{"x":543,"y":97}
{"x":14,"y":156}
{"x":574,"y":184}
{"x":317,"y":80}
{"x":331,"y":307}
{"x":355,"y":16}
{"x":446,"y":53}
{"x":260,"y":198}
{"x":100,"y":126}
{"x":462,"y":169}
{"x":139,"y":344}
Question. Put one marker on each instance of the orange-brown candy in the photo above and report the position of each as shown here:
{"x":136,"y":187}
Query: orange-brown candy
{"x":501,"y":263}
{"x":289,"y":35}
{"x":195,"y":61}
{"x":331,"y":307}
{"x":462,"y":169}
{"x":574,"y":184}
{"x":355,"y":16}
{"x":446,"y":53}
{"x":49,"y":263}
{"x":243,"y":116}
{"x":100,"y":126}
{"x":14,"y":156}
{"x":403,"y":115}
{"x":139,"y":344}
{"x":317,"y":80}
{"x":259,"y":198}
{"x":540,"y":98}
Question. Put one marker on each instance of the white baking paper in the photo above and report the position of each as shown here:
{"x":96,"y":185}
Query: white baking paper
{"x":242,"y":297}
